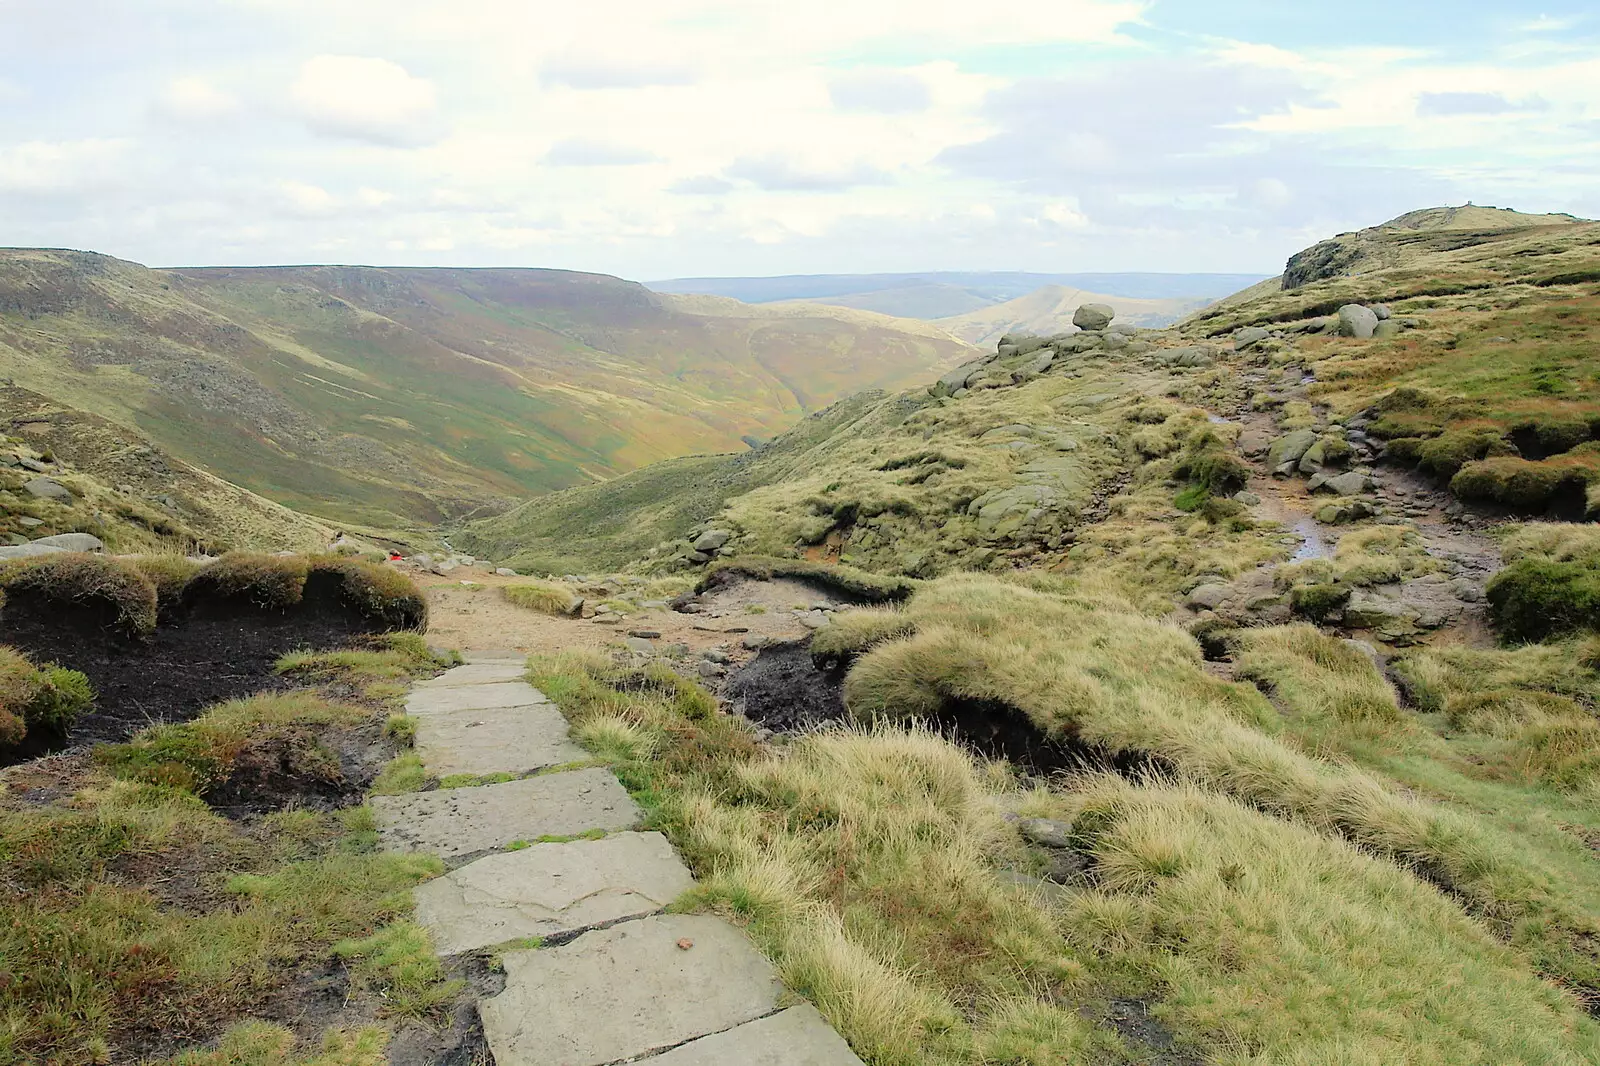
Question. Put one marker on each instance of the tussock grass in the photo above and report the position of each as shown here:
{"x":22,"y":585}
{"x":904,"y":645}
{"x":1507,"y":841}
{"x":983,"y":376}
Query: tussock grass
{"x":38,"y":697}
{"x":398,"y":963}
{"x":85,"y":580}
{"x":867,"y":865}
{"x":1374,"y":555}
{"x":377,"y":592}
{"x":170,"y":574}
{"x":1283,"y":945}
{"x":855,"y":631}
{"x":198,"y":756}
{"x":846,"y":580}
{"x":1320,"y":677}
{"x":1135,"y":685}
{"x":546,"y":597}
{"x":377,"y":657}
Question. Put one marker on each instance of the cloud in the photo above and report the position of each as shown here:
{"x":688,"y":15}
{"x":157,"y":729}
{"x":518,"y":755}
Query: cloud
{"x":366,"y":99}
{"x":701,"y":185}
{"x":306,"y":200}
{"x":195,"y":100}
{"x":588,"y":73}
{"x":582,"y":152}
{"x":58,"y":168}
{"x":888,"y":92}
{"x":779,"y":173}
{"x":1441,"y":105}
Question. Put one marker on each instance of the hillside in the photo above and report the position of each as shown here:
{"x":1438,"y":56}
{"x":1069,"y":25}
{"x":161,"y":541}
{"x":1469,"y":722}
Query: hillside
{"x":1279,"y":628}
{"x":397,"y":396}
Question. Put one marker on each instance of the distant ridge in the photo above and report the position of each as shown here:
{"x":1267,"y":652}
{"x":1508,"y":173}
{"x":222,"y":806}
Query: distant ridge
{"x":993,"y":286}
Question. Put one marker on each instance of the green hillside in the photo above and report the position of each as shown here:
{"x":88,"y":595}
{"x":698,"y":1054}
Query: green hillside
{"x":395,"y":396}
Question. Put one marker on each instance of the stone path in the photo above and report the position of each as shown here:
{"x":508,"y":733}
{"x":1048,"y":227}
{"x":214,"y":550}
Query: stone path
{"x":615,"y":980}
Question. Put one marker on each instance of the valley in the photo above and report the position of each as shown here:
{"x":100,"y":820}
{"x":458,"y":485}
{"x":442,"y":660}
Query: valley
{"x":1113,"y":689}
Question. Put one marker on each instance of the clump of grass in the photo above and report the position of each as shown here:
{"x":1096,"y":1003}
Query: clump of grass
{"x":376,"y":659}
{"x":846,"y":580}
{"x":852,"y":632}
{"x":38,"y":697}
{"x":1326,"y":682}
{"x":170,"y":574}
{"x":84,"y":580}
{"x":269,"y":582}
{"x":546,"y":597}
{"x":257,"y":1043}
{"x":199,"y":756}
{"x":401,"y":774}
{"x":399,"y":964}
{"x":377,"y":592}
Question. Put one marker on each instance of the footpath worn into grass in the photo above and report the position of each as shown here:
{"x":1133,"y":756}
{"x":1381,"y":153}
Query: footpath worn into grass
{"x":571,"y":899}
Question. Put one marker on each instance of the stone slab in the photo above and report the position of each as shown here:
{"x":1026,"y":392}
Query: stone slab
{"x":461,"y":821}
{"x":550,"y":890}
{"x":617,"y":993}
{"x":473,"y":697}
{"x":495,"y":740}
{"x":798,"y":1036}
{"x":477,"y":674}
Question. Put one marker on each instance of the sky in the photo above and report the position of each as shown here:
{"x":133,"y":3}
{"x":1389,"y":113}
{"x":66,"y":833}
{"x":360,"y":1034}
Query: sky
{"x":666,"y":138}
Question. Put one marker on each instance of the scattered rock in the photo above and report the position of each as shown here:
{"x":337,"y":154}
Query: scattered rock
{"x":1390,"y":618}
{"x":73,"y":542}
{"x":1093,"y":316}
{"x":1248,"y":498}
{"x":34,"y":465}
{"x":1208,"y":596}
{"x":712,"y":539}
{"x":708,"y":669}
{"x":505,"y":571}
{"x":646,"y":634}
{"x":24,"y":551}
{"x":1357,"y":321}
{"x":47,"y":488}
{"x":29,"y":522}
{"x":1381,"y":311}
{"x":1291,"y":447}
{"x":640,"y":646}
{"x":1248,"y":336}
{"x":1045,"y":832}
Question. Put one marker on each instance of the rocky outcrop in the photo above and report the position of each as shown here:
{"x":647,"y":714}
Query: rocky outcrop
{"x":1093,"y":316}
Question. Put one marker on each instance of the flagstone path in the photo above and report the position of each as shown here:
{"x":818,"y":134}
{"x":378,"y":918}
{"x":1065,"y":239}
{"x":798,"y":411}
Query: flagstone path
{"x":615,"y":980}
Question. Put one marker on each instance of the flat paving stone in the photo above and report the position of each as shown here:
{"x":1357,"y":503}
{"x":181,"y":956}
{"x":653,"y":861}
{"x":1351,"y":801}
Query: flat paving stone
{"x":616,"y":993}
{"x":460,"y":821}
{"x":476,"y":674}
{"x":475,"y":697}
{"x":493,"y":655}
{"x":551,"y":889}
{"x":495,"y":740}
{"x":798,"y":1036}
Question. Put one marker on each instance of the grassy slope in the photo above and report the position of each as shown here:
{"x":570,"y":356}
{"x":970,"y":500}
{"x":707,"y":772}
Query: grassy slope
{"x":388,"y":396}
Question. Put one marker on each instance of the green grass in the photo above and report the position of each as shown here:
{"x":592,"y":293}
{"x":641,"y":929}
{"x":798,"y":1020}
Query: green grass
{"x":398,"y":964}
{"x":92,"y":581}
{"x":845,"y":580}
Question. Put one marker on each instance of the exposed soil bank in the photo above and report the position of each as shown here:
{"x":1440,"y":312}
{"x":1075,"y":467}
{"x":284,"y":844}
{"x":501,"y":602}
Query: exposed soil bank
{"x":784,"y":690}
{"x":215,"y":650}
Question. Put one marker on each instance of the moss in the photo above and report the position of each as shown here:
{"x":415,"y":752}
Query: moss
{"x":87,"y":581}
{"x":1535,"y":599}
{"x":1443,"y":455}
{"x":1318,"y":600}
{"x":1527,"y":485}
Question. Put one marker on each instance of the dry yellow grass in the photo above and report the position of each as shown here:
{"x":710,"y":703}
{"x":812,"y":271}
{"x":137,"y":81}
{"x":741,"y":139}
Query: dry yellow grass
{"x":546,"y":597}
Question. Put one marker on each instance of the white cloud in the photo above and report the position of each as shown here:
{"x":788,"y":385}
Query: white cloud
{"x":583,"y":152}
{"x":191,"y":99}
{"x":46,"y":168}
{"x":586,"y":72}
{"x":887,"y":91}
{"x":366,"y":99}
{"x":304,"y":199}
